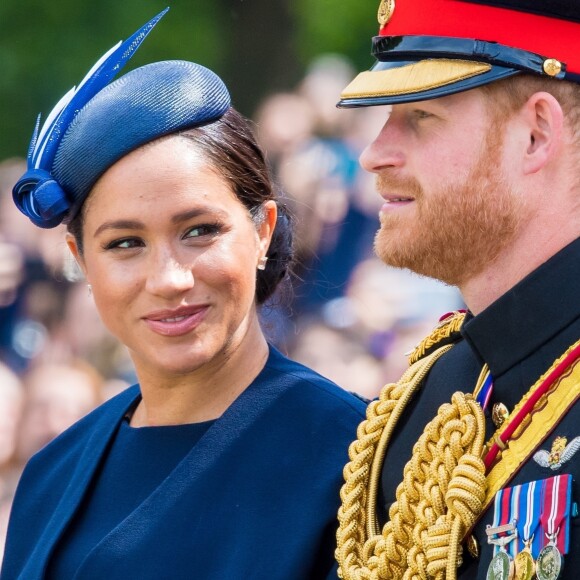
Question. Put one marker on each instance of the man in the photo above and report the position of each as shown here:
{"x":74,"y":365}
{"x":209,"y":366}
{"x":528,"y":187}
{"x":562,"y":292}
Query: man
{"x":469,"y":466}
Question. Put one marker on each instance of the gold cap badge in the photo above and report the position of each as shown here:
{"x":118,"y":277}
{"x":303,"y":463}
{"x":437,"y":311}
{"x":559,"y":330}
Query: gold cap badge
{"x":386,"y":9}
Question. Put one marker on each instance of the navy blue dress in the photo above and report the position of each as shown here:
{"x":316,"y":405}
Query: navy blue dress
{"x":255,"y":497}
{"x":138,"y":462}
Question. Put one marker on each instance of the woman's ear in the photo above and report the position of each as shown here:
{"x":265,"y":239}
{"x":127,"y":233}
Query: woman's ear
{"x":71,"y":242}
{"x":267,"y":226}
{"x":545,"y":121}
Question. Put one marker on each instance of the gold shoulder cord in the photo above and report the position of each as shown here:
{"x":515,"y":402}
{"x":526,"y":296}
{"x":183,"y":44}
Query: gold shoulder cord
{"x":442,"y":491}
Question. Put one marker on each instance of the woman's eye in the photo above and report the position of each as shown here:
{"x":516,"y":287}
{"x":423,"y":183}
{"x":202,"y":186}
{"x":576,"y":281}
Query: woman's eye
{"x":204,"y":230}
{"x":124,"y":244}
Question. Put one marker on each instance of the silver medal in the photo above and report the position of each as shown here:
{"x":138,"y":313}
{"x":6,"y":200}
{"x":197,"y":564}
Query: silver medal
{"x":550,"y":563}
{"x":500,"y":567}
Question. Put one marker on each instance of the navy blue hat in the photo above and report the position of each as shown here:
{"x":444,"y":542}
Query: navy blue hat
{"x":96,"y":124}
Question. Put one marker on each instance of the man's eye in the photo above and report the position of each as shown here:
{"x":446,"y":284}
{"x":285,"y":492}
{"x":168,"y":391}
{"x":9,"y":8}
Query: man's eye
{"x":420,"y":114}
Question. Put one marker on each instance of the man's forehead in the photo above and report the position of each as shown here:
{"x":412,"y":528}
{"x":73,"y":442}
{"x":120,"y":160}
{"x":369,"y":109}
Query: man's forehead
{"x":446,"y":102}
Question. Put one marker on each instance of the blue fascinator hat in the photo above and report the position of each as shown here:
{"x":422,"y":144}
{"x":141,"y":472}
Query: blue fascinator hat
{"x":99,"y":122}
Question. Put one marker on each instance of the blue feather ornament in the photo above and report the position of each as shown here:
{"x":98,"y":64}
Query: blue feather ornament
{"x":37,"y":194}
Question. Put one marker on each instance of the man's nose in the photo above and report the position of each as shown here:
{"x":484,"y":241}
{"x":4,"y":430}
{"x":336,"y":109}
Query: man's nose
{"x":385,"y":151}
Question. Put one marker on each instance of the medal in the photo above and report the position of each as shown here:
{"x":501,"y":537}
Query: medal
{"x":528,"y":510}
{"x":555,"y":521}
{"x":501,"y":567}
{"x":550,"y":563}
{"x":501,"y":534}
{"x":524,"y":565}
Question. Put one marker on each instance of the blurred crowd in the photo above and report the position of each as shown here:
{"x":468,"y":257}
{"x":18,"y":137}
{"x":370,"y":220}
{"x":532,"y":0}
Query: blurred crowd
{"x":346,"y":315}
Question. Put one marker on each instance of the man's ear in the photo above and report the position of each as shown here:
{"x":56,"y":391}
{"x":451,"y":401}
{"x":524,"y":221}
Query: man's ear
{"x":71,"y":242}
{"x":544,"y":119}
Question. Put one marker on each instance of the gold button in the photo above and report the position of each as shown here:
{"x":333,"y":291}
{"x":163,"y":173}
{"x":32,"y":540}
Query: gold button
{"x":552,"y":67}
{"x":499,"y":413}
{"x":473,"y":546}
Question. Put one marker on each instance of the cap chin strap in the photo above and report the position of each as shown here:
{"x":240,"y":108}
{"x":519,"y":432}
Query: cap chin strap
{"x":413,"y":48}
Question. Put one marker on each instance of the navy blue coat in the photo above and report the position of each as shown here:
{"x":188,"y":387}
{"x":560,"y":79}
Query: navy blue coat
{"x":256,"y":498}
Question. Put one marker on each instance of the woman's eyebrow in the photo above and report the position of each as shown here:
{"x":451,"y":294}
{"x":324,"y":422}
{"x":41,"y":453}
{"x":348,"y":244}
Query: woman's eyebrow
{"x":119,"y":225}
{"x":176,"y":219}
{"x":196,"y":212}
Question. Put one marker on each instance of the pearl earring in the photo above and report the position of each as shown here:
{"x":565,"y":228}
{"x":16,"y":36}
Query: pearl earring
{"x":90,"y":289}
{"x":262,"y":263}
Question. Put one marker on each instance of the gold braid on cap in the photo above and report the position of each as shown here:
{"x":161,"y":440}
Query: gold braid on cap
{"x":443,"y":487}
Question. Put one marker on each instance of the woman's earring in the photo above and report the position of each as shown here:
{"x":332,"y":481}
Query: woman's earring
{"x":262,"y":263}
{"x":90,"y":289}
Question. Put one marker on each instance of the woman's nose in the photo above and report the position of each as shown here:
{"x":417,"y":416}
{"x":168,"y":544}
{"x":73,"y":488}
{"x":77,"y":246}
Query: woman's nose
{"x":169,"y":277}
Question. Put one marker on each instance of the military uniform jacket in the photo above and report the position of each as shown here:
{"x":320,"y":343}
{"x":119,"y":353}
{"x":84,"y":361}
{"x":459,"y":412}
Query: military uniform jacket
{"x":256,"y":497}
{"x":519,"y":336}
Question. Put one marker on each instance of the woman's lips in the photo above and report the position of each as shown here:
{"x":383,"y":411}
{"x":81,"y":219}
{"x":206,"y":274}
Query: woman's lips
{"x":175,"y":322}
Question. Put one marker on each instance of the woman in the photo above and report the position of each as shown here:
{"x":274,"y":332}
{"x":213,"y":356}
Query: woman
{"x":225,"y":461}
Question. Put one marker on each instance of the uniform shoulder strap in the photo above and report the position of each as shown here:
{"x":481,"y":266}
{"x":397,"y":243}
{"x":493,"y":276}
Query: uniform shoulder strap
{"x":446,"y":332}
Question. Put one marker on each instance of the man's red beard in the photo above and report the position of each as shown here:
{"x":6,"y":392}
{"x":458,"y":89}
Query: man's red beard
{"x":455,"y":231}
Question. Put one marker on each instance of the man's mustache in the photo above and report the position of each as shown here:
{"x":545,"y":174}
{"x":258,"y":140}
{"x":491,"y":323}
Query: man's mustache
{"x":388,"y":184}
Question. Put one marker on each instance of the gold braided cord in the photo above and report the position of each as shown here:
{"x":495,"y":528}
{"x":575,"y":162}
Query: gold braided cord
{"x":440,"y":497}
{"x":413,"y":377}
{"x":352,"y":513}
{"x":442,"y":332}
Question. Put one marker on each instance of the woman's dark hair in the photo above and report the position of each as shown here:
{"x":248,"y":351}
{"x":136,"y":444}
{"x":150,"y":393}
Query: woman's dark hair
{"x":230,"y":146}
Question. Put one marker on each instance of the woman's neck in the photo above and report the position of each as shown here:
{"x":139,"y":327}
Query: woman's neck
{"x":205,"y":393}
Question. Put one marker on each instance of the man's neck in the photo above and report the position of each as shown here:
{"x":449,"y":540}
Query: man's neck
{"x":521,"y":258}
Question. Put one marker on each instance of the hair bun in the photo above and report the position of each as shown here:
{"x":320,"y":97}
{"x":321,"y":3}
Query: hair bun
{"x":280,"y":255}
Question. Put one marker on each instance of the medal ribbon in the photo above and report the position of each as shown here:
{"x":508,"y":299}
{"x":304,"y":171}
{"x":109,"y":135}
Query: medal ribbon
{"x":501,"y":514}
{"x":528,"y":514}
{"x":556,"y":510}
{"x":512,"y":547}
{"x":483,"y":393}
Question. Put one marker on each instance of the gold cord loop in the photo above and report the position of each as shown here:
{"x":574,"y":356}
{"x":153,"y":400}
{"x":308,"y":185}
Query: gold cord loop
{"x":439,"y":499}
